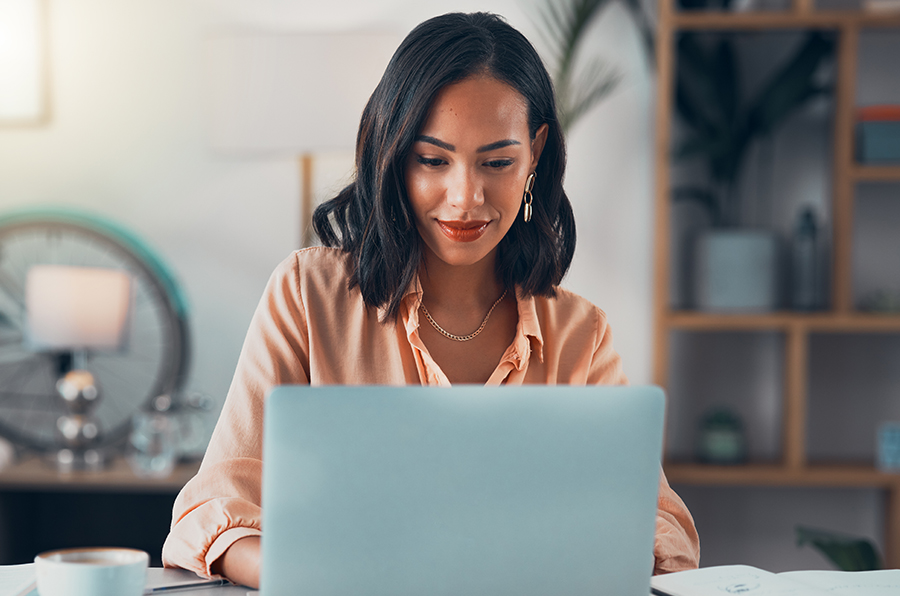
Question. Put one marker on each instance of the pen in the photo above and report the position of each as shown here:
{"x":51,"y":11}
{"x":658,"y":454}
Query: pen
{"x":191,"y":586}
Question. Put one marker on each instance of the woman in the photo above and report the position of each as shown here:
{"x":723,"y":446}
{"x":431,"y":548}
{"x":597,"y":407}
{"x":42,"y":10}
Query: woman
{"x":441,"y":265}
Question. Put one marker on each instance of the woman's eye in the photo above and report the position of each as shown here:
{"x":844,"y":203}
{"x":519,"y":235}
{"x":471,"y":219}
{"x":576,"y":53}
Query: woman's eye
{"x":499,"y":163}
{"x":430,"y":161}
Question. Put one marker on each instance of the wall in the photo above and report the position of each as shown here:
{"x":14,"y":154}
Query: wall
{"x":127,"y":139}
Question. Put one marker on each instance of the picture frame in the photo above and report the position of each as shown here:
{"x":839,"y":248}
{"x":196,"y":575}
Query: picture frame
{"x":24,"y":63}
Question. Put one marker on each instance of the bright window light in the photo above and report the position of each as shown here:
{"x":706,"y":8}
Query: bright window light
{"x":21,"y":61}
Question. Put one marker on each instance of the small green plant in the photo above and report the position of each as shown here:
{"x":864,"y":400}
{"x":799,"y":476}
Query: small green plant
{"x":721,"y":124}
{"x":848,"y":553}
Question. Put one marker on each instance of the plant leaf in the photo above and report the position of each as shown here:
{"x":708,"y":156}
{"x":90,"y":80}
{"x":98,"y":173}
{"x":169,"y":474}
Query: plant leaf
{"x":790,"y":87}
{"x":703,"y":197}
{"x":564,"y":25}
{"x":848,"y":553}
{"x":725,"y":74}
{"x":697,"y":90}
{"x":646,"y":28}
{"x":589,"y":90}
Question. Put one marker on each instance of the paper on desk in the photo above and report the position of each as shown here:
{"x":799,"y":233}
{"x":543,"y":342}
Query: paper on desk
{"x":850,"y":583}
{"x":742,"y":579}
{"x":17,"y":580}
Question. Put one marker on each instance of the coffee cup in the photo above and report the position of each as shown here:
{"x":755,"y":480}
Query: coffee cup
{"x":92,"y":572}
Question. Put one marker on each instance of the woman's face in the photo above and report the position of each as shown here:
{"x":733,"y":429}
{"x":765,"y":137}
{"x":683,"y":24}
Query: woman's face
{"x":466,"y":172}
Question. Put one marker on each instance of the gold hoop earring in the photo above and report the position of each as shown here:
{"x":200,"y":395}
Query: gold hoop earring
{"x":529,"y":185}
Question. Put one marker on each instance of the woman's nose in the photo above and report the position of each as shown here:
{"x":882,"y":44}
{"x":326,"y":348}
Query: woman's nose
{"x":465,"y":191}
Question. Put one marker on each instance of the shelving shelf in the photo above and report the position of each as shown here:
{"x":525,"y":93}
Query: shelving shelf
{"x":862,"y":173}
{"x":788,"y":19}
{"x":816,"y":475}
{"x":831,"y":322}
{"x":793,"y":469}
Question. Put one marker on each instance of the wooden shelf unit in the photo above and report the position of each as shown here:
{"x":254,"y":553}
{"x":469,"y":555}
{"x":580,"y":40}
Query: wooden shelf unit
{"x":794,"y":468}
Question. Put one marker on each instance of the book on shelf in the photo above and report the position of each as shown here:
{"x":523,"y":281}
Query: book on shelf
{"x":744,"y":579}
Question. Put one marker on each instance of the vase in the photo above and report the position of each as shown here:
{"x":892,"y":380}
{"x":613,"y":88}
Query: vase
{"x":736,"y":270}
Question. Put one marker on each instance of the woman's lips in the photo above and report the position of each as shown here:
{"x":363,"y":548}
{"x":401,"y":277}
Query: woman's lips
{"x":463,"y":231}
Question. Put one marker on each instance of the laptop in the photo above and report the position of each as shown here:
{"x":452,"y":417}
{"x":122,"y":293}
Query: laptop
{"x":462,"y":491}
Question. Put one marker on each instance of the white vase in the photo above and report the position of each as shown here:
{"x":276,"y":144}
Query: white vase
{"x":736,"y":270}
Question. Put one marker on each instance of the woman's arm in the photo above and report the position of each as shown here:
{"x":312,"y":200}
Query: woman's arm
{"x":677,"y":546}
{"x":221,"y":504}
{"x":240,"y":562}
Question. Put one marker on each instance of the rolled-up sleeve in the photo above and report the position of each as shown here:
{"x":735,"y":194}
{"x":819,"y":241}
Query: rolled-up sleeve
{"x":221,"y":504}
{"x":677,"y":545}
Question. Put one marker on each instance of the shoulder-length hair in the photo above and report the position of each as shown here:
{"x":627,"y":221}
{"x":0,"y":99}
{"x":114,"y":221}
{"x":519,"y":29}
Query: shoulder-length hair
{"x":372,"y":219}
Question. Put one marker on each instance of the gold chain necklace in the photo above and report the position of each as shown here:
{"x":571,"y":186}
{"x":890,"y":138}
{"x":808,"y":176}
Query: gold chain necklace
{"x":472,"y":335}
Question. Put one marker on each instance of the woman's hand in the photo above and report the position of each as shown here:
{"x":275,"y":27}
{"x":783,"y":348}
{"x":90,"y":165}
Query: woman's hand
{"x":240,"y":562}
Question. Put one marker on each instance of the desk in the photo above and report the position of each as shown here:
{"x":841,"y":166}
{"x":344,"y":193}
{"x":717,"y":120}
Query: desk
{"x":42,"y":509}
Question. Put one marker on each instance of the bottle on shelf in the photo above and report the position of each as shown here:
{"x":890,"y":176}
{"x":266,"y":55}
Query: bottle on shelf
{"x":805,"y":257}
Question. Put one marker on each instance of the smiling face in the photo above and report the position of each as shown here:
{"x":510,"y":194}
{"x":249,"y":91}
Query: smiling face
{"x":466,"y":172}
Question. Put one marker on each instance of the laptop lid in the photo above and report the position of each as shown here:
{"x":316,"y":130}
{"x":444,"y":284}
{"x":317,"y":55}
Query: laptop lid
{"x":460,"y":491}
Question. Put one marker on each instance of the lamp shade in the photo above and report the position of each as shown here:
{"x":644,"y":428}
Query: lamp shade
{"x":73,"y":308}
{"x":292,"y":93}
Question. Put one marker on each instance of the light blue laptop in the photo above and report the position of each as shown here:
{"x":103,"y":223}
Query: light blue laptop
{"x":463,"y":491}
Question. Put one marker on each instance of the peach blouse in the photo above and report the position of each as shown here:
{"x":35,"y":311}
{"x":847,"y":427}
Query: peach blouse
{"x":309,"y":328}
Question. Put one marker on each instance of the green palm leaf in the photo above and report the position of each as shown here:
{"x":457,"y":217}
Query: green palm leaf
{"x":563,"y":26}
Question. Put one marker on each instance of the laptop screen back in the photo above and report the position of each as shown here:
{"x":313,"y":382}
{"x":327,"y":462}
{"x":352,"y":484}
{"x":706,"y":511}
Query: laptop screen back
{"x":460,"y":491}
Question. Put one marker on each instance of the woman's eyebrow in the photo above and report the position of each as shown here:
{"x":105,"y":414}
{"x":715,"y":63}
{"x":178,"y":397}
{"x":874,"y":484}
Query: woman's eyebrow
{"x":482,"y":149}
{"x":497,"y":145}
{"x":436,"y":142}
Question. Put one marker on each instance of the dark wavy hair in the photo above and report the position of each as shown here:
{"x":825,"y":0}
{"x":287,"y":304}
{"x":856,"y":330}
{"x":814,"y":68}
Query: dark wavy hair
{"x":372,"y":218}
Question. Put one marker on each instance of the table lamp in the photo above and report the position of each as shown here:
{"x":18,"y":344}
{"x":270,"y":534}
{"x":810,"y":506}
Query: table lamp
{"x":70,"y":313}
{"x":293,"y":94}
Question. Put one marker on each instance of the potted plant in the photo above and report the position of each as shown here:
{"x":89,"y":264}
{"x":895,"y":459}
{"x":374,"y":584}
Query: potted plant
{"x":735,"y":266}
{"x":564,"y":25}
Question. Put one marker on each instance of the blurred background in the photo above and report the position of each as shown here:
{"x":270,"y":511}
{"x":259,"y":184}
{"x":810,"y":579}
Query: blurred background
{"x":148,"y":121}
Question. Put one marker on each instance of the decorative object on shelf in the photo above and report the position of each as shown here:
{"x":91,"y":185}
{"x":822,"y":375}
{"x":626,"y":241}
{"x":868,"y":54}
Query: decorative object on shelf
{"x":806,"y":263}
{"x":878,"y":134}
{"x":153,"y":444}
{"x":881,"y":301}
{"x":889,"y":446}
{"x":150,"y":360}
{"x":736,"y":270}
{"x":848,"y":553}
{"x":721,"y":128}
{"x":721,"y":438}
{"x":168,"y":431}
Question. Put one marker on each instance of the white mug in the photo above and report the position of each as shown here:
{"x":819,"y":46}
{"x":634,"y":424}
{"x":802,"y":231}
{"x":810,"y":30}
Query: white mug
{"x":92,"y":572}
